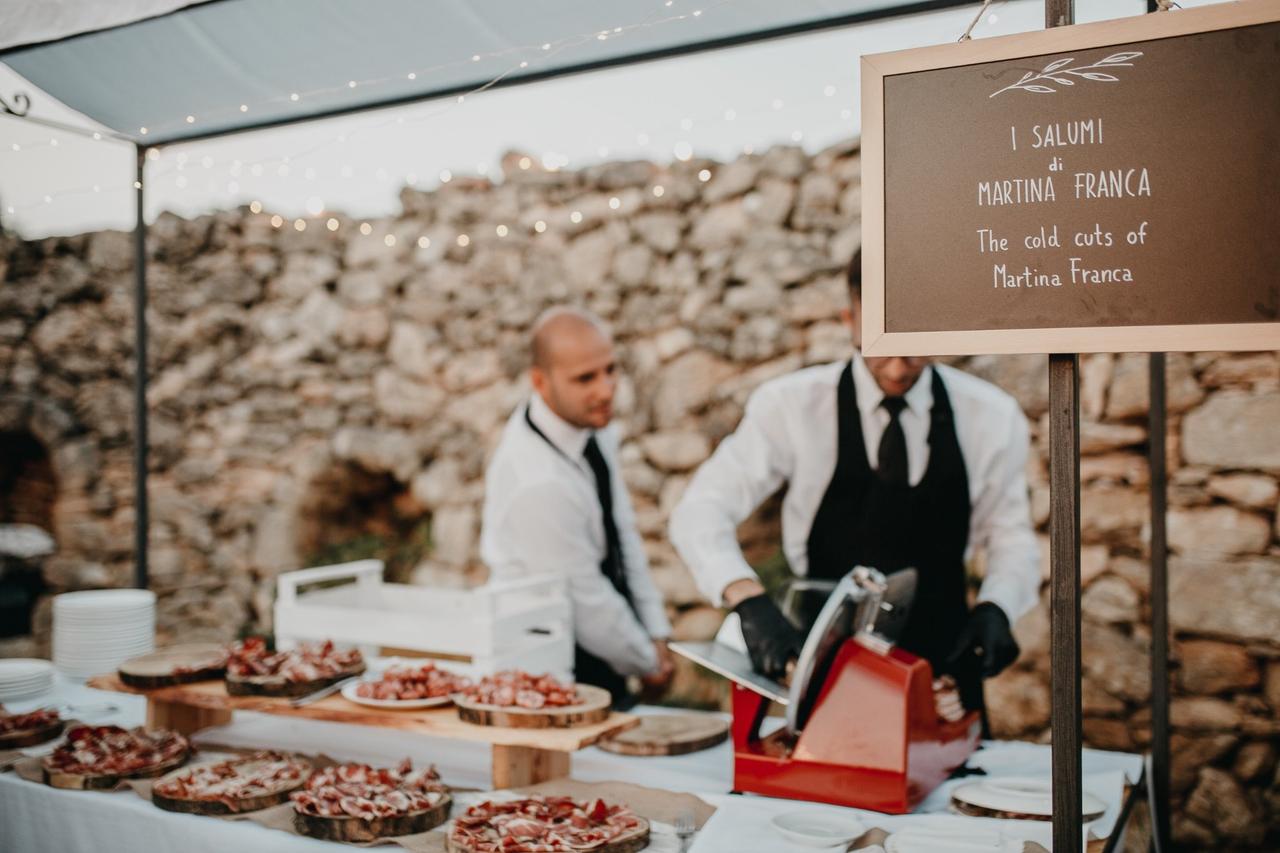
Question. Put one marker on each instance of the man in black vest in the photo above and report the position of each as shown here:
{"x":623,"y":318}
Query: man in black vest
{"x":555,"y":503}
{"x":889,"y":463}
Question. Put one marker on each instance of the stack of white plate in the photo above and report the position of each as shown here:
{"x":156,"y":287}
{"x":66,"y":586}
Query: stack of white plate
{"x":96,"y":631}
{"x":24,"y":678}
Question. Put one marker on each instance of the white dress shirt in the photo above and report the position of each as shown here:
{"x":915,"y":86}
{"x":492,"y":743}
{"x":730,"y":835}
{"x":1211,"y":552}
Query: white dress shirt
{"x":542,"y":516}
{"x":788,"y":434}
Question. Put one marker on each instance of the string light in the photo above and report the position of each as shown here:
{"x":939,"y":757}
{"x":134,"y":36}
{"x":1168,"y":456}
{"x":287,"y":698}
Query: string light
{"x":424,"y":242}
{"x":332,"y":224}
{"x":300,"y":224}
{"x":255,"y":206}
{"x":366,"y":229}
{"x":575,"y":217}
{"x":553,"y":161}
{"x":502,"y":230}
{"x":277,"y":220}
{"x":389,"y":240}
{"x":615,"y":203}
{"x":704,"y":175}
{"x":464,"y":240}
{"x":540,"y":226}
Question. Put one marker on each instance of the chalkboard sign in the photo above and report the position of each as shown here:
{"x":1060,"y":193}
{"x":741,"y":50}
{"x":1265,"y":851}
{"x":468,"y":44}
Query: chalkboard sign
{"x":1107,"y":187}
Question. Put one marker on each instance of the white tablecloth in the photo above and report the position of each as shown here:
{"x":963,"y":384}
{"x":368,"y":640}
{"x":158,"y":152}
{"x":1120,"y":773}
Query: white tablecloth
{"x":37,"y":818}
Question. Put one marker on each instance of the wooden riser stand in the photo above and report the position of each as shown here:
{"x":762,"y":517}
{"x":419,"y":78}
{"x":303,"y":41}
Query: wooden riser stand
{"x":520,"y":756}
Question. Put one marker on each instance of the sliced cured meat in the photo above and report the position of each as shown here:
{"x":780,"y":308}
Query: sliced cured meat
{"x":548,"y":825}
{"x":232,"y":787}
{"x":405,"y":683}
{"x":253,"y":669}
{"x":30,"y":728}
{"x":356,"y":802}
{"x":514,"y":688}
{"x":307,"y":662}
{"x":99,"y":756}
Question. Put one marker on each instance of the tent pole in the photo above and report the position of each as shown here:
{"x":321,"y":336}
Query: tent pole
{"x":141,"y":521}
{"x":1159,"y":598}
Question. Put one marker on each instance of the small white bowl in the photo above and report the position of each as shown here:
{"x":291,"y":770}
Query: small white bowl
{"x":814,"y":829}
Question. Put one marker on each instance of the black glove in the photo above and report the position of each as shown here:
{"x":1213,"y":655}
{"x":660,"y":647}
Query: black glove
{"x":988,"y":638}
{"x":771,"y":640}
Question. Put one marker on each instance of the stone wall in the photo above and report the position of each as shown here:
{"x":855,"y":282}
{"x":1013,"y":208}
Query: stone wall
{"x":316,"y":392}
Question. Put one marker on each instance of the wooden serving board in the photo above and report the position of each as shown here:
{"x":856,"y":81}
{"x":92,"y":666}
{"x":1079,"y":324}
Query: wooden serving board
{"x":355,"y":829}
{"x":594,"y":708}
{"x":630,"y":842}
{"x":175,"y":665}
{"x":521,"y":756}
{"x":271,"y":685}
{"x":669,"y":734}
{"x":220,"y":808}
{"x":31,"y":737}
{"x":105,"y":781}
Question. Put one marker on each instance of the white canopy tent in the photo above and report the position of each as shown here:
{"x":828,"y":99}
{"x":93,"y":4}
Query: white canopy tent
{"x":162,"y":71}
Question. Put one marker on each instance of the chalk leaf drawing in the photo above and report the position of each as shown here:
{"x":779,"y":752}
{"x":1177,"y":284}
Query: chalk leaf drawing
{"x":1059,"y":72}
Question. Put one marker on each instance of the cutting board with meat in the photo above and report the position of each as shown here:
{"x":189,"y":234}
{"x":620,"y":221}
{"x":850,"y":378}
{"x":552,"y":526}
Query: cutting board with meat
{"x":101,"y":757}
{"x":519,"y":700}
{"x":543,"y":823}
{"x":234,"y":786}
{"x":29,"y":729}
{"x":175,"y":665}
{"x":359,"y":803}
{"x":254,"y":670}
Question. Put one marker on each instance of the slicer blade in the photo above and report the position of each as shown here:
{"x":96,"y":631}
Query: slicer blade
{"x":733,"y":665}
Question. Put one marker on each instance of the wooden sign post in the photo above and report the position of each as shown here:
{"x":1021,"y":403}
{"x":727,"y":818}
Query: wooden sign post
{"x":1112,"y":187}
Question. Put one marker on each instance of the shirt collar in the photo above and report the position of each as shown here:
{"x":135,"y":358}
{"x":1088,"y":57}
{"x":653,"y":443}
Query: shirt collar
{"x":569,"y":439}
{"x":919,"y":397}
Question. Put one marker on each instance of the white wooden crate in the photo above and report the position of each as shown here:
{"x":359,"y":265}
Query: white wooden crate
{"x":522,"y":623}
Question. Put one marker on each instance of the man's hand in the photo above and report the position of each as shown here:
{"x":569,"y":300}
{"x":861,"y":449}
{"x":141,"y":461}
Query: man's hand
{"x":772,"y":641}
{"x":987,"y":636}
{"x":657,"y":682}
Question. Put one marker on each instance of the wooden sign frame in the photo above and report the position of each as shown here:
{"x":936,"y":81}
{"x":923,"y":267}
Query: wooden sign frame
{"x":876,"y":341}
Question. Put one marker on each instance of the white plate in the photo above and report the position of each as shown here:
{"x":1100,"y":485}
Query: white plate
{"x":23,"y":669}
{"x":349,"y":693}
{"x":1021,"y":796}
{"x":921,"y":840}
{"x":813,"y":829}
{"x":96,"y":600}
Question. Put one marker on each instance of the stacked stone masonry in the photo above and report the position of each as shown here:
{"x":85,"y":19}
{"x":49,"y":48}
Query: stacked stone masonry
{"x":288,"y":365}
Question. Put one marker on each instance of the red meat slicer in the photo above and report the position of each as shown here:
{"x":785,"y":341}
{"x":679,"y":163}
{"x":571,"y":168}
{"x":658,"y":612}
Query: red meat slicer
{"x":862,"y":728}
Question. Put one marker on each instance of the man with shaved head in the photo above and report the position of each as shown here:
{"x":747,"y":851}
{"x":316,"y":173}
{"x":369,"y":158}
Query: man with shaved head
{"x":555,"y":504}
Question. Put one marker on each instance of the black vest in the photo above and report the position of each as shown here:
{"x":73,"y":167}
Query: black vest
{"x":863,"y":521}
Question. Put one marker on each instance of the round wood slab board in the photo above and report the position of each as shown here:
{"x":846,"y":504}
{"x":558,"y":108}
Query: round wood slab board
{"x":669,"y":734}
{"x":594,"y":708}
{"x":106,"y":781}
{"x":272,"y":685}
{"x":201,"y":662}
{"x":219,"y":807}
{"x":635,"y":840}
{"x":358,"y":829}
{"x":31,"y":737}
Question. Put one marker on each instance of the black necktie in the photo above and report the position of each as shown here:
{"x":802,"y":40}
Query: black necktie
{"x":612,"y":565}
{"x":891,"y":462}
